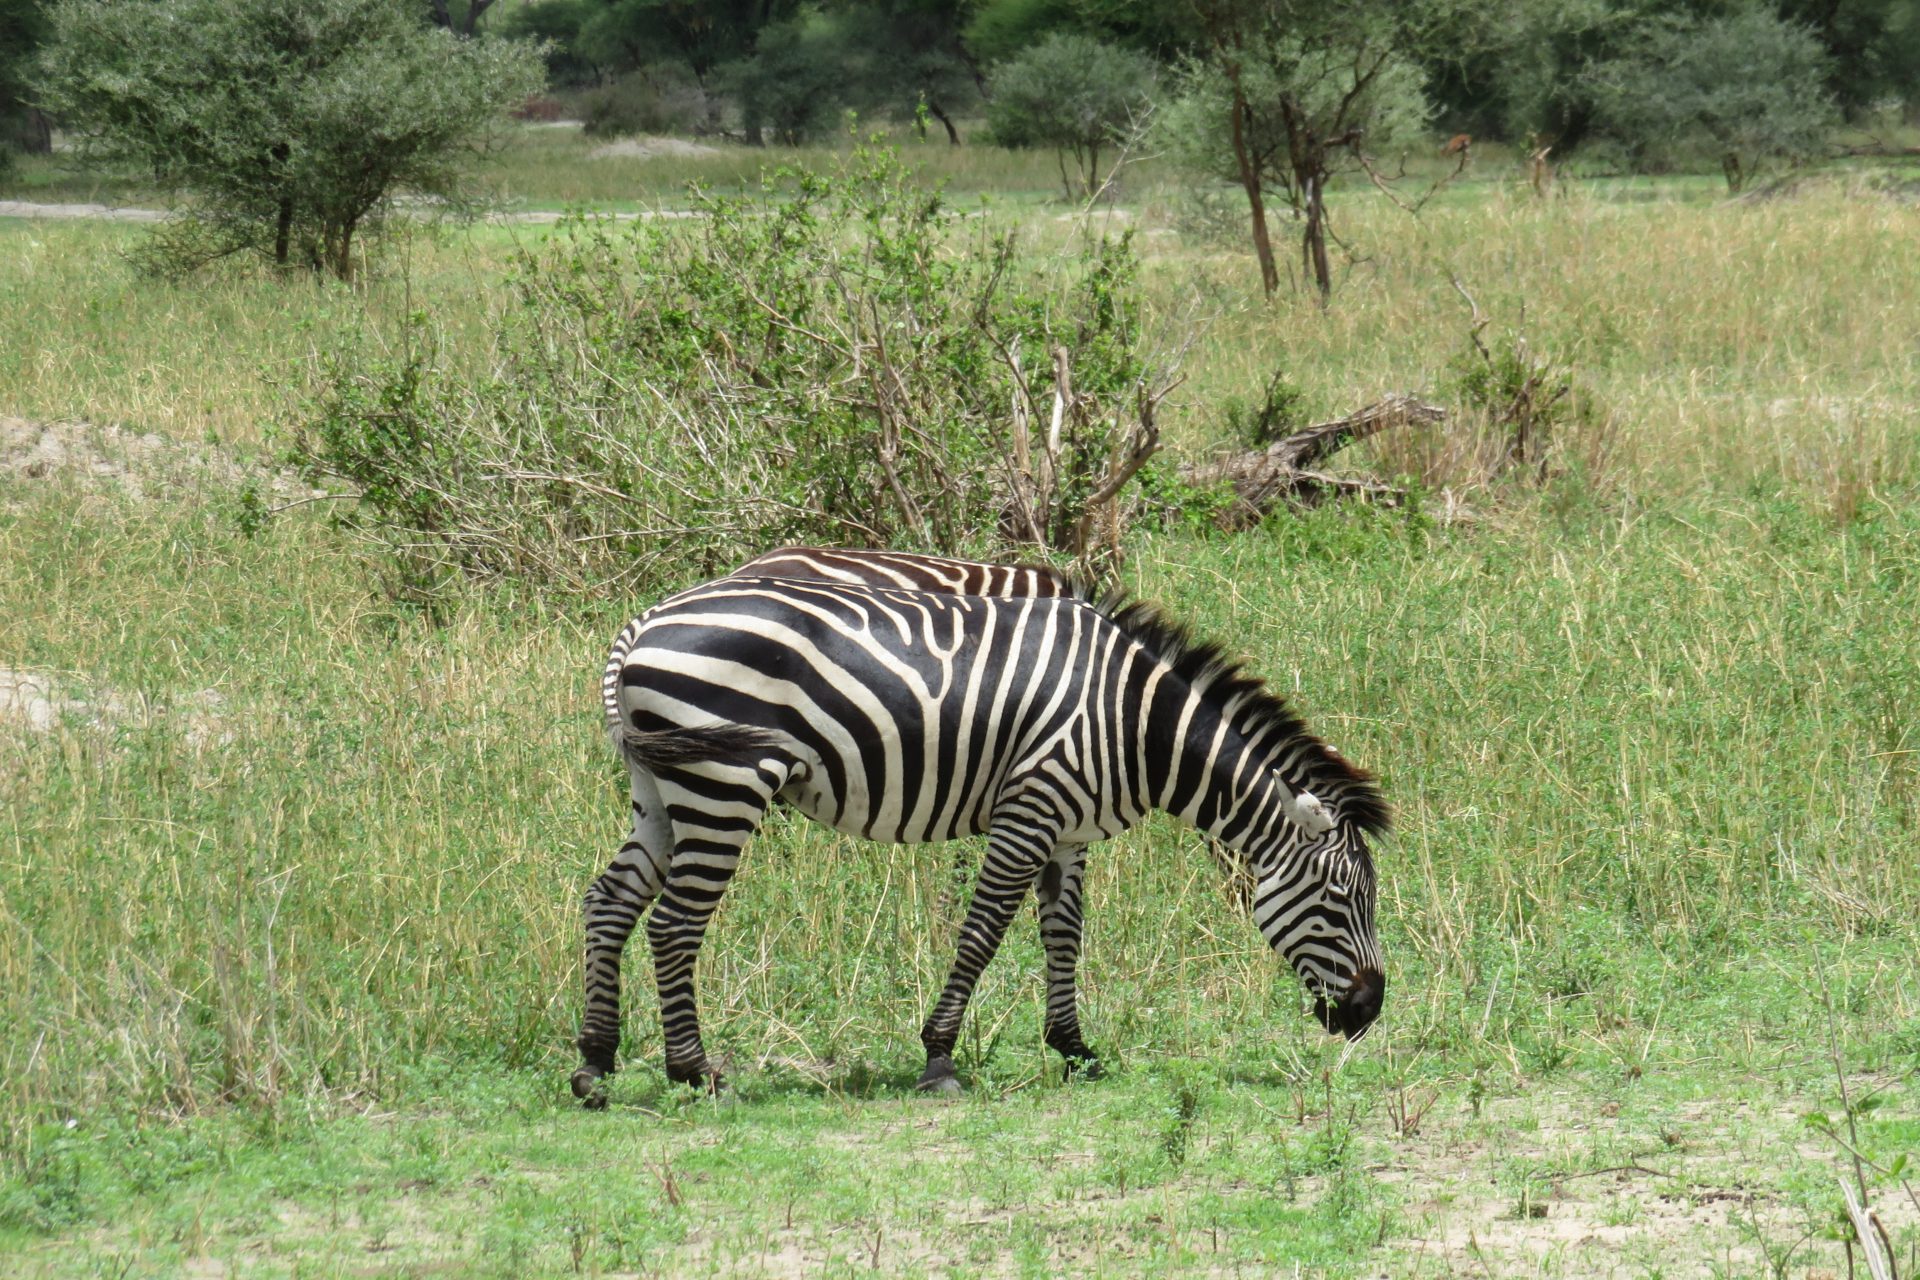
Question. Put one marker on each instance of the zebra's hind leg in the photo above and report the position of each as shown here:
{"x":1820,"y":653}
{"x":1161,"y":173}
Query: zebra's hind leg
{"x":1058,"y":892}
{"x":613,"y":905}
{"x":714,"y":813}
{"x":1016,"y":851}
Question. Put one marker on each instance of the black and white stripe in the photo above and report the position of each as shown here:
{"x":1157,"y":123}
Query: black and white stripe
{"x":1044,"y":722}
{"x":909,"y":570}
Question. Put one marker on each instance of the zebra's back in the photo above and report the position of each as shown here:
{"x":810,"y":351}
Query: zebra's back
{"x":910,"y":571}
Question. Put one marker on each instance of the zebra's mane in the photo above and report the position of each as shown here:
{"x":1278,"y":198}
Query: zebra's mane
{"x":1250,"y":707}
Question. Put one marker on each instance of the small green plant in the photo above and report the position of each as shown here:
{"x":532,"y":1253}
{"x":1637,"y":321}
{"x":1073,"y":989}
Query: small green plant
{"x":1521,"y":400}
{"x":1520,"y":394}
{"x":1278,"y":414}
{"x":1187,"y":1091}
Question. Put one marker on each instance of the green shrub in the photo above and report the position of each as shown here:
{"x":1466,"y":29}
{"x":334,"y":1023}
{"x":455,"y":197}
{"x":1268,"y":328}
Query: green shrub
{"x":1074,"y":94}
{"x":847,"y":363}
{"x":658,"y":100}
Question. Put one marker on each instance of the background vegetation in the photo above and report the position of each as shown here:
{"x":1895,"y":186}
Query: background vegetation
{"x":288,"y":877}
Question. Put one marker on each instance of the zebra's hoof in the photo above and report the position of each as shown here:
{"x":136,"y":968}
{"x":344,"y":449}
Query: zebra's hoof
{"x":1087,"y":1069}
{"x":590,"y":1086}
{"x":700,"y":1076}
{"x":940,"y":1078}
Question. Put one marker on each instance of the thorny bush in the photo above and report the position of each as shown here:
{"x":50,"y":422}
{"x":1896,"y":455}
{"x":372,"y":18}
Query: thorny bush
{"x":835,"y":359}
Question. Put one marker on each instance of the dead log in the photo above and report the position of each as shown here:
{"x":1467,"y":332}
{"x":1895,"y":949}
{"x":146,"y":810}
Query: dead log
{"x":1287,"y":470}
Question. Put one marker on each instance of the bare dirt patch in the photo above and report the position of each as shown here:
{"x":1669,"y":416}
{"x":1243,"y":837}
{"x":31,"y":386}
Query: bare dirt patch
{"x":1549,"y":1188}
{"x":103,"y":212}
{"x":41,"y":702}
{"x":650,"y":148}
{"x":143,"y":466}
{"x":128,"y":460}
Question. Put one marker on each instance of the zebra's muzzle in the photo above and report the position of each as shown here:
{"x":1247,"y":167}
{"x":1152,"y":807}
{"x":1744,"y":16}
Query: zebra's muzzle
{"x":1355,"y":1010}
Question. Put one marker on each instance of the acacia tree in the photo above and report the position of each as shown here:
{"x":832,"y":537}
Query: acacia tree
{"x":1749,"y":84}
{"x":289,"y":128}
{"x":1286,"y":94}
{"x":1073,"y":93}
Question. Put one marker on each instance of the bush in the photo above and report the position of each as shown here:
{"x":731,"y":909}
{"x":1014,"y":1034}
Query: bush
{"x":1748,"y":86}
{"x":847,"y":364}
{"x":1074,"y":94}
{"x":663,"y":99}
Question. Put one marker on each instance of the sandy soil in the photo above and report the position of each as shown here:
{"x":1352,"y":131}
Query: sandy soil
{"x":648,"y":148}
{"x":26,"y":209}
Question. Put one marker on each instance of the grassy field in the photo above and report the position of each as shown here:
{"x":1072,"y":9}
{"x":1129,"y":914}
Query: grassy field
{"x":287,"y":895}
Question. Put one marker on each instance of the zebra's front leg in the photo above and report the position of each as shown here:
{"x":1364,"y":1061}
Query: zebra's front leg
{"x":1015,"y":854}
{"x":1058,"y":892}
{"x":613,"y":905}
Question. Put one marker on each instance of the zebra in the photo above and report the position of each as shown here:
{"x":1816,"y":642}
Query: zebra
{"x":920,"y":572}
{"x":911,"y":570}
{"x":1044,"y":723}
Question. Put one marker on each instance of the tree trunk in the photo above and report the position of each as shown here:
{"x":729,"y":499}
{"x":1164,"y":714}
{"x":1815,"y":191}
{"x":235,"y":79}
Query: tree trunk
{"x":1313,"y":240}
{"x":953,"y":134}
{"x":343,"y":260}
{"x":283,"y":231}
{"x":37,"y":137}
{"x":1736,"y":178}
{"x":1250,"y":179}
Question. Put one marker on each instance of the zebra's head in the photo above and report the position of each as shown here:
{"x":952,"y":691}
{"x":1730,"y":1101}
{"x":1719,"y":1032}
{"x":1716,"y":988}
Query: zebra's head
{"x":1315,"y":908}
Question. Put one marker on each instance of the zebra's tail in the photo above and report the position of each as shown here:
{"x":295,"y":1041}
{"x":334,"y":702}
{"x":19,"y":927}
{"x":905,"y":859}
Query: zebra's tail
{"x":737,"y":744}
{"x":610,"y":678}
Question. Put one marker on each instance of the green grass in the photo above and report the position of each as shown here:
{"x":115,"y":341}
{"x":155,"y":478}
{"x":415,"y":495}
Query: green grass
{"x":288,"y":978}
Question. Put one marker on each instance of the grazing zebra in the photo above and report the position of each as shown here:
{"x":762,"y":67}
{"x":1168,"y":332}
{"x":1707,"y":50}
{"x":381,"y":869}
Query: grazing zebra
{"x":909,"y":570}
{"x":918,"y":572}
{"x":1043,"y":722}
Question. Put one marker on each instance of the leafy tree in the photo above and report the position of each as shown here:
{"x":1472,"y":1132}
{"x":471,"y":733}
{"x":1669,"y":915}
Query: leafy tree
{"x":1287,"y":94}
{"x":463,"y":19}
{"x":798,"y":79}
{"x":914,"y":59}
{"x":624,"y":35}
{"x":1749,"y":83}
{"x":558,"y":26}
{"x":1874,"y":47}
{"x":1073,"y":93}
{"x":291,"y":128}
{"x":23,"y":25}
{"x":1520,"y":68}
{"x":1000,"y":29}
{"x":893,"y":58}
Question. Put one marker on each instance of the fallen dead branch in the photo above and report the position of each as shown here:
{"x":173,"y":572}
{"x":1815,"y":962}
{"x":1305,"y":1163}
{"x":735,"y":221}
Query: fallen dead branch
{"x":1288,"y":470}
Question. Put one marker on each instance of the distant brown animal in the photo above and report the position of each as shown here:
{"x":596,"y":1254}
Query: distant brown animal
{"x":1459,"y":144}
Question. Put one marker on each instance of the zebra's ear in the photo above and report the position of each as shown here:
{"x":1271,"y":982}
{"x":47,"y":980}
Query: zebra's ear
{"x":1307,"y":812}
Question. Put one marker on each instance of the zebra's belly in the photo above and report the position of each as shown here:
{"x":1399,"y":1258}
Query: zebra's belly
{"x":858,"y":815}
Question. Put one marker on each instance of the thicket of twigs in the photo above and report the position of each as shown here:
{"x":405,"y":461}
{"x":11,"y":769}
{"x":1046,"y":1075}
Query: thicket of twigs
{"x":847,"y":363}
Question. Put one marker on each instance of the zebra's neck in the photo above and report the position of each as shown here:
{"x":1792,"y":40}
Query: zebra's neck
{"x":1234,"y":789}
